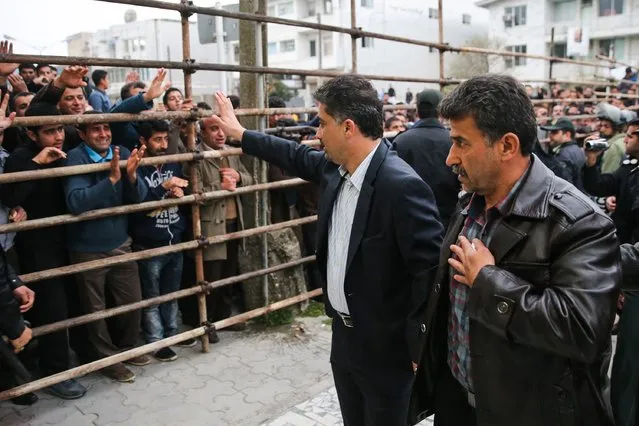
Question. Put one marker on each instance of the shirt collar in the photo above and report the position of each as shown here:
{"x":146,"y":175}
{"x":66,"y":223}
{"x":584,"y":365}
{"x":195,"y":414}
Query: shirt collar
{"x":357,"y":178}
{"x":97,"y":158}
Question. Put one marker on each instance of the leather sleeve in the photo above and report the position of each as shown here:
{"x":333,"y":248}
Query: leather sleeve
{"x":11,"y":323}
{"x":573,"y":315}
{"x":419,"y":238}
{"x":601,"y":185}
{"x":630,"y":266}
{"x":298,"y":159}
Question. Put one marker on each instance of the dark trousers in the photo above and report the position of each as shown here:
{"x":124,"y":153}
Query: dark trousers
{"x":451,"y":402}
{"x":624,"y":391}
{"x":220,"y":301}
{"x":50,"y":306}
{"x":123,"y":283}
{"x":368,"y":395}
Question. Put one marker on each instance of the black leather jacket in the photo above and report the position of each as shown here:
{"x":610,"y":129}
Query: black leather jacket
{"x":11,"y":323}
{"x":540,"y":319}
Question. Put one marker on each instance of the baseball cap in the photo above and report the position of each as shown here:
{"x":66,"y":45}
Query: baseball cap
{"x":429,"y":96}
{"x":561,"y":124}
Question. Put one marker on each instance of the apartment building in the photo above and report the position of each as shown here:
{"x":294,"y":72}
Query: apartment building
{"x":605,"y":27}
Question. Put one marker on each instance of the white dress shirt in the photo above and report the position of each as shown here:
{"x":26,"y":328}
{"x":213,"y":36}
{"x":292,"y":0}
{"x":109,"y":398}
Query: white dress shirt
{"x":339,"y":232}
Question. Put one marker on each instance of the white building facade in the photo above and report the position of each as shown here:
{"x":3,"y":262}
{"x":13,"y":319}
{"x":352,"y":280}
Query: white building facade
{"x":608,"y":26}
{"x":295,"y":47}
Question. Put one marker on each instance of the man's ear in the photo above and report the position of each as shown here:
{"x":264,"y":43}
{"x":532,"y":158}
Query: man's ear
{"x":349,"y":127}
{"x":510,"y":146}
{"x":142,"y":141}
{"x":31,"y":134}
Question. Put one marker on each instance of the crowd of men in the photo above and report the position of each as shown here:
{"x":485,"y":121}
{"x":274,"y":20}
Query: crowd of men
{"x":529,"y":267}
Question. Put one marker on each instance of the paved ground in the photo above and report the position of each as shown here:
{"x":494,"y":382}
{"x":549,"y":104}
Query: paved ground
{"x":249,"y":378}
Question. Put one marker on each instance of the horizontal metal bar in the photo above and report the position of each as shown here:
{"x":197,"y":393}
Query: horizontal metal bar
{"x":108,"y":313}
{"x":196,"y":66}
{"x":65,"y":219}
{"x":571,"y":100}
{"x":151,"y":347}
{"x":145,"y":254}
{"x":190,"y":9}
{"x":609,"y":82}
{"x":166,"y":115}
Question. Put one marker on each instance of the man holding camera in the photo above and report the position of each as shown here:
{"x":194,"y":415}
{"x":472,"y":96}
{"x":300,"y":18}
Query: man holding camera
{"x":623,"y":183}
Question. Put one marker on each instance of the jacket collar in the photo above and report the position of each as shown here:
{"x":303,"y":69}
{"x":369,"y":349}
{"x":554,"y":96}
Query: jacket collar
{"x":532,"y":199}
{"x":427,"y":122}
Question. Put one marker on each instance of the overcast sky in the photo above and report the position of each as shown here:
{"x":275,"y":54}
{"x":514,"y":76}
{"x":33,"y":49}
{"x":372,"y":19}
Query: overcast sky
{"x":45,"y":24}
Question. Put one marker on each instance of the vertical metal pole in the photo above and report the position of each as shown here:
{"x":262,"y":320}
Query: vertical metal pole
{"x":197,"y":228}
{"x":354,"y":37}
{"x":221,"y":48}
{"x":551,"y":62}
{"x":320,"y":49}
{"x":440,"y":40}
{"x":261,"y":43}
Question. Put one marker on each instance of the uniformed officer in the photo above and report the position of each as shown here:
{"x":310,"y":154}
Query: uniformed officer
{"x":624,"y":185}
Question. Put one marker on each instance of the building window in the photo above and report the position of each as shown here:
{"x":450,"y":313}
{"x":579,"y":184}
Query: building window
{"x":432,"y":49}
{"x":514,"y":16}
{"x":142,"y":45}
{"x":466,"y":19}
{"x":312,"y":47}
{"x":327,"y":46}
{"x":564,"y":10}
{"x":270,"y":11}
{"x":367,"y":3}
{"x":610,"y":7}
{"x":515,"y":61}
{"x":312,"y":8}
{"x":433,"y":13}
{"x":272,"y":48}
{"x":236,"y":52}
{"x":612,"y":47}
{"x":328,"y":7}
{"x":561,"y":50}
{"x":367,"y":42}
{"x":285,"y":8}
{"x":287,"y":46}
{"x":586,"y":3}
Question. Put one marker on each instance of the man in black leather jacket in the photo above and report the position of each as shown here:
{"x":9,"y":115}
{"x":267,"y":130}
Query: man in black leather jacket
{"x":519,"y":318}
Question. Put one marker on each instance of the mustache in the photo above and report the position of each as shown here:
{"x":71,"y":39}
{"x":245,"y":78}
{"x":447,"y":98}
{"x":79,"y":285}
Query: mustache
{"x":458,"y":170}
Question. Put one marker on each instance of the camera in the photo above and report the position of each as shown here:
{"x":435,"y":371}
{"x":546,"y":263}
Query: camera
{"x":596,"y":145}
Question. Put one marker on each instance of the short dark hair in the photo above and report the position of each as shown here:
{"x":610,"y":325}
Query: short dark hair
{"x":26,"y":66}
{"x":98,"y":75}
{"x":16,"y":96}
{"x":235,"y":101}
{"x":276,"y":102}
{"x":38,"y":109}
{"x":165,"y":98}
{"x":390,"y":120}
{"x":204,"y":105}
{"x":498,"y":104}
{"x":426,"y":110}
{"x":353,"y":97}
{"x":125,"y":92}
{"x":40,"y":66}
{"x":147,"y":128}
{"x":84,"y":126}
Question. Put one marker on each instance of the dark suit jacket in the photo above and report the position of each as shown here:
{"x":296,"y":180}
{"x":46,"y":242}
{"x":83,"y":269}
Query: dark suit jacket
{"x":425,"y":147}
{"x":393,"y":249}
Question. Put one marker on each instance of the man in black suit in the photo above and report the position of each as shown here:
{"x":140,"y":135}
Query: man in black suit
{"x":425,"y":147}
{"x":378,"y":240}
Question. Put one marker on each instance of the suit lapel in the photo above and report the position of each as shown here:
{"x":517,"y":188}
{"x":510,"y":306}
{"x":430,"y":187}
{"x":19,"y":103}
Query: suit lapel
{"x":364,"y":201}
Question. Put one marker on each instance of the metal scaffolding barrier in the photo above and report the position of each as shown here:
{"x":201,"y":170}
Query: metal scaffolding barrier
{"x":189,"y":66}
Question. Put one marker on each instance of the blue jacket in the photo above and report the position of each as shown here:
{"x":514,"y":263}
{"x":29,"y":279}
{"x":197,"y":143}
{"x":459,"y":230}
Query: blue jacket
{"x":94,"y":191}
{"x":158,"y":227}
{"x":125,"y":132}
{"x":99,"y":101}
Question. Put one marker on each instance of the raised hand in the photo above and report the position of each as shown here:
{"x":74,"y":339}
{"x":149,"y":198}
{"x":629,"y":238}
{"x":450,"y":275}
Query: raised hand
{"x":115,"y":174}
{"x":132,"y":77}
{"x":133,"y":162}
{"x":5,"y":122}
{"x":157,"y":86}
{"x":226,"y":118}
{"x":17,"y":83}
{"x":72,"y":77}
{"x":7,"y":68}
